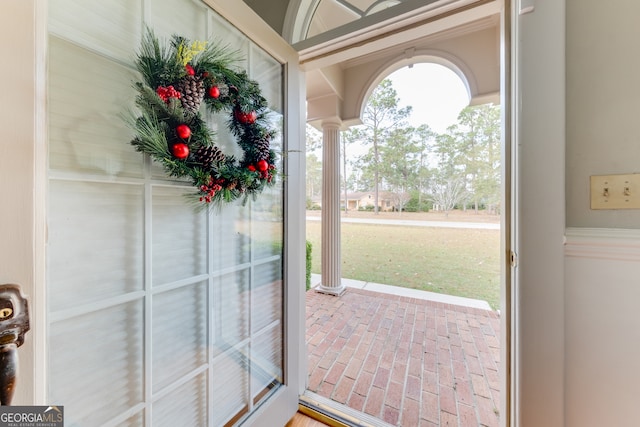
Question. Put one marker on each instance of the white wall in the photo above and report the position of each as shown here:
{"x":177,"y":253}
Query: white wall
{"x":602,"y":285}
{"x":602,"y":104}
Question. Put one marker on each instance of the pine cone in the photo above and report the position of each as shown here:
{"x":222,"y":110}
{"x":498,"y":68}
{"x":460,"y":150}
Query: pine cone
{"x":262,"y":147}
{"x":207,"y":156}
{"x":192,"y":90}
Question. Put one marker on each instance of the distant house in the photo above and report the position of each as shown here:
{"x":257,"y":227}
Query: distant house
{"x":360,"y":200}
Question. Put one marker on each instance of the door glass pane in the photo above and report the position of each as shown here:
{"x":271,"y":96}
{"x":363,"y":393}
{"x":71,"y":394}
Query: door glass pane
{"x":230,"y":385}
{"x":266,"y":362}
{"x":96,"y":368}
{"x":95,"y":242}
{"x":185,"y":406}
{"x":179,"y":329}
{"x":226,"y":34}
{"x":231,"y":310}
{"x":159,"y":313}
{"x":107,"y":27}
{"x":268,"y":73}
{"x":86,"y":132}
{"x":266,"y":295}
{"x":231,"y":231}
{"x":179,"y":236}
{"x":186,"y":17}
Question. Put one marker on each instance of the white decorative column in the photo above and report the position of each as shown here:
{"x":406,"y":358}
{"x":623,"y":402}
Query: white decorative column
{"x":331,"y":259}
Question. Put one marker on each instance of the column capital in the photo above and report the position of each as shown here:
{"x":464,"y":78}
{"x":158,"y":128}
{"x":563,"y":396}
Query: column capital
{"x":331,"y":123}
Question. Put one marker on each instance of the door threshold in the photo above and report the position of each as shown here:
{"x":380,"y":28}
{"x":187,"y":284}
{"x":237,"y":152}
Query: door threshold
{"x":336,"y":414}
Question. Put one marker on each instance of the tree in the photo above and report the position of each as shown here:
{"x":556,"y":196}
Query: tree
{"x":314,"y":164}
{"x":400,"y":161}
{"x":348,"y":137}
{"x":381,"y":116}
{"x":477,"y":134}
{"x":485,"y":120}
{"x":425,"y":138}
{"x":447,"y":192}
{"x":314,"y":139}
{"x":314,"y":176}
{"x":470,"y":151}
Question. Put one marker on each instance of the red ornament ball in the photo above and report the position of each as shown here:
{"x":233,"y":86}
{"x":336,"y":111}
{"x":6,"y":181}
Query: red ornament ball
{"x":189,"y":69}
{"x":180,"y":150}
{"x":183,"y":131}
{"x":214,"y":92}
{"x":246,"y":118}
{"x":251,"y":117}
{"x":251,"y":168}
{"x":263,"y":165}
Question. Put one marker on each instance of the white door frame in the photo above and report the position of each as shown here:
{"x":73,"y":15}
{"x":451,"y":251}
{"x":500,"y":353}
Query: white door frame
{"x":23,"y":157}
{"x":537,"y":107}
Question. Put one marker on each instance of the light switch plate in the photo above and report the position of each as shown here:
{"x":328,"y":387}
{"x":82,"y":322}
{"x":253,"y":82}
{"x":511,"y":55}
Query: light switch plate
{"x":615,"y":191}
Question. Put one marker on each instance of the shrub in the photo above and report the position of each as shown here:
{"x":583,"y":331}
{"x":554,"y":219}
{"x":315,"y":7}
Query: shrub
{"x":413,"y":205}
{"x":308,"y":263}
{"x":312,"y":206}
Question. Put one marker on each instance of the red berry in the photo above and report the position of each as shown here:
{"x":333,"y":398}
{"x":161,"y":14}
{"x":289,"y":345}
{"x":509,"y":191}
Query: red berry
{"x":183,"y":131}
{"x":189,"y":69}
{"x":263,"y":165}
{"x":214,"y":92}
{"x":167,"y":92}
{"x":180,"y":150}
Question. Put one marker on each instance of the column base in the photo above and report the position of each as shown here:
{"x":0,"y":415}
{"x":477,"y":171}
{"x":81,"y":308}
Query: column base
{"x":335,"y":291}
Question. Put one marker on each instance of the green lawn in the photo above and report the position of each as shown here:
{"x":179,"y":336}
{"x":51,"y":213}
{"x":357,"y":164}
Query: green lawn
{"x":462,"y":262}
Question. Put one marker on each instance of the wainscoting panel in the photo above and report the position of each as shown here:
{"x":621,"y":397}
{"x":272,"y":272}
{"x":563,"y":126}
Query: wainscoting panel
{"x":602,"y":327}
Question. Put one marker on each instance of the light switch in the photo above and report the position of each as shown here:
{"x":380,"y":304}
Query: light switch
{"x":615,"y":191}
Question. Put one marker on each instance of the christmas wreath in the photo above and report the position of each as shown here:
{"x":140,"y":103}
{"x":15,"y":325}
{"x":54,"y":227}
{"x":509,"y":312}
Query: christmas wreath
{"x":178,"y":77}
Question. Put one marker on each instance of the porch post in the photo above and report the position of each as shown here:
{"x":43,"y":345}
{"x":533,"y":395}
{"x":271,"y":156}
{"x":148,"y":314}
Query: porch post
{"x":331,"y":271}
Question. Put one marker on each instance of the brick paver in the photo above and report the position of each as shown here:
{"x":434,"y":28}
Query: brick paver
{"x":408,"y":362}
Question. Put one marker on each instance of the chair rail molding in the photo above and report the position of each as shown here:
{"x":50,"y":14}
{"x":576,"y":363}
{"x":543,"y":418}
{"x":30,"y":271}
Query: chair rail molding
{"x":603,"y":243}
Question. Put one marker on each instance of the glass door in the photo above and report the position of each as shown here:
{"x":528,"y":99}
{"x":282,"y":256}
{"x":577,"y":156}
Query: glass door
{"x":158,"y":314}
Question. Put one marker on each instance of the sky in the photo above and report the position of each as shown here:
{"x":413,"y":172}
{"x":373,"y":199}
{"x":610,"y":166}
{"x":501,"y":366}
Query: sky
{"x":435,"y":92}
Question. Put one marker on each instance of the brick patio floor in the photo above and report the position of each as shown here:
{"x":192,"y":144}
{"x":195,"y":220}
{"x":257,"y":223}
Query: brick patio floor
{"x":409,"y":362}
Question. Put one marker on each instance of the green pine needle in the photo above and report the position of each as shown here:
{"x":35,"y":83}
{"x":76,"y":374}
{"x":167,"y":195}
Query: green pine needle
{"x":158,"y":65}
